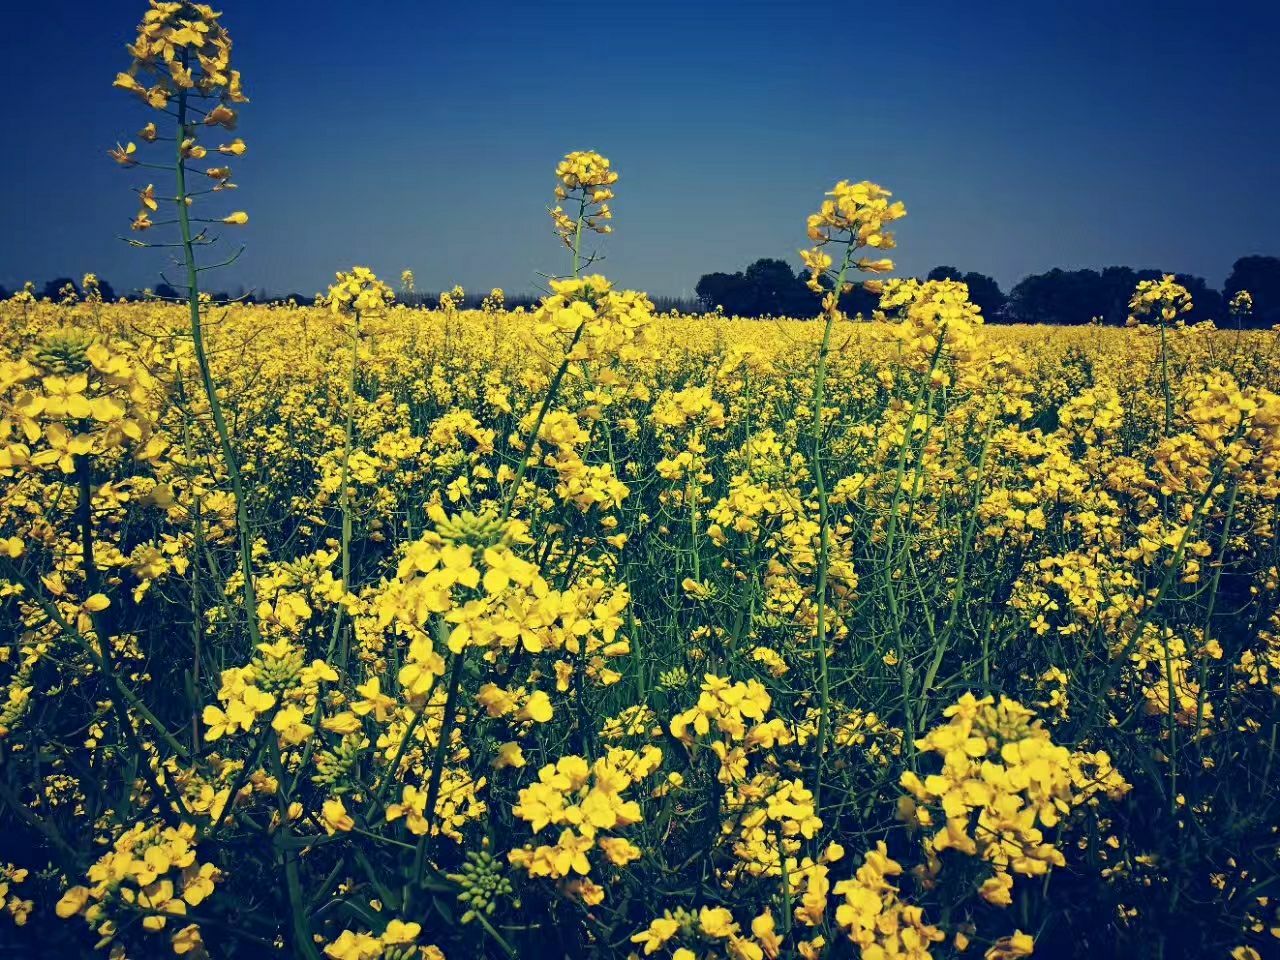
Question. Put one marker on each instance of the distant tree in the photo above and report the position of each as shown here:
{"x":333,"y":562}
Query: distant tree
{"x":731,"y":292}
{"x":1058,"y":296}
{"x":777,"y":291}
{"x":165,"y":291}
{"x":725,"y":290}
{"x":108,"y":292}
{"x":1261,"y":277}
{"x":771,"y":287}
{"x":857,"y":301}
{"x":53,"y":289}
{"x":1206,"y":302}
{"x":4,"y":292}
{"x":768,"y":287}
{"x":1117,"y":288}
{"x":1077,"y":296}
{"x":983,"y":291}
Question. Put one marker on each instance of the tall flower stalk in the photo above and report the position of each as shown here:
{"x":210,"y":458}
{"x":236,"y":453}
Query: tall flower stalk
{"x":358,"y":294}
{"x":854,"y":218}
{"x":1161,"y":302}
{"x":585,"y":182}
{"x":185,"y":53}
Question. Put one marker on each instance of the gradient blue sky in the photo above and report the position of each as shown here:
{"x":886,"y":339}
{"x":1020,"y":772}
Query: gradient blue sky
{"x":422,"y":134}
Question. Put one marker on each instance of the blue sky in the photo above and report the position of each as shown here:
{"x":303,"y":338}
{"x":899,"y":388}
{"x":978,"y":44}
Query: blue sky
{"x":424,"y":135}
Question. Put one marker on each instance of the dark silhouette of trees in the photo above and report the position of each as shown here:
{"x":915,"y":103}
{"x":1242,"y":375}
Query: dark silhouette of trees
{"x":1078,"y":296}
{"x":728,"y":291}
{"x":983,"y":291}
{"x":1261,"y":277}
{"x":53,"y":289}
{"x":1206,"y":302}
{"x":772,"y":287}
{"x":1117,"y":286}
{"x":768,"y":287}
{"x":777,"y":290}
{"x":1059,"y":296}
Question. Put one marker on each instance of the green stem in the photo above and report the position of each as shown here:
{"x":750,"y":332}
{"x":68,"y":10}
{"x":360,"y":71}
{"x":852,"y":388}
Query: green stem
{"x":206,"y":377}
{"x":1164,"y":381}
{"x":532,"y":436}
{"x":349,"y":439}
{"x":577,"y":235}
{"x":302,"y":943}
{"x":824,"y":531}
{"x":437,"y":761}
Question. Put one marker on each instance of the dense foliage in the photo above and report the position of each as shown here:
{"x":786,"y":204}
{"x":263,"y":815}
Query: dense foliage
{"x":362,"y":630}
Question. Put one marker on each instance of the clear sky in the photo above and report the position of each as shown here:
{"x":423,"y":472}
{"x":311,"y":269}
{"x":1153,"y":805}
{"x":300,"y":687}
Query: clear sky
{"x":423,"y":134}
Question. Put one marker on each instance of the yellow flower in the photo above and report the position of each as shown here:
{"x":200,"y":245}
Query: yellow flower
{"x":124,"y":155}
{"x":289,"y":724}
{"x":221,"y":116}
{"x":764,"y":930}
{"x":716,"y":922}
{"x":658,"y":933}
{"x":72,"y":902}
{"x":97,"y":603}
{"x":398,"y":932}
{"x":586,"y":180}
{"x":538,"y":708}
{"x":509,"y":755}
{"x":373,"y":700}
{"x":188,"y":940}
{"x":341,"y":723}
{"x":1019,"y":944}
{"x":334,"y":817}
{"x":354,"y":946}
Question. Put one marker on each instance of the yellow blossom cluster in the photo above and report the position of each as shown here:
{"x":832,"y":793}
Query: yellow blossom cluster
{"x":150,"y":876}
{"x":590,"y":320}
{"x":585,"y":802}
{"x":185,"y":55}
{"x":398,"y":941}
{"x":706,"y":932}
{"x":586,"y":178}
{"x":359,"y":291}
{"x":1002,"y":783}
{"x":876,"y":918}
{"x":1161,"y":301}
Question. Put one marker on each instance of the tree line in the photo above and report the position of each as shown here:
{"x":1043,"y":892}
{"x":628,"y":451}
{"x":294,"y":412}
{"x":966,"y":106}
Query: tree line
{"x":57,"y":289}
{"x":770,"y":287}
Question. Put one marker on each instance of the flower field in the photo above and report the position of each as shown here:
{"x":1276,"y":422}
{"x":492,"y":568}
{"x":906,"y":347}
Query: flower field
{"x":367,"y":630}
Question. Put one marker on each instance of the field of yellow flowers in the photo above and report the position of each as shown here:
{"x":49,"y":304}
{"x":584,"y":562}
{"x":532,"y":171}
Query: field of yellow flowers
{"x":364,"y":630}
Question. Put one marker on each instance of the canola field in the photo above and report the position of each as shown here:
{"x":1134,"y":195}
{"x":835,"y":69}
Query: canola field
{"x":366,"y":630}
